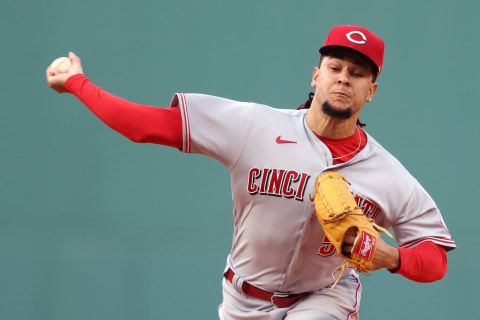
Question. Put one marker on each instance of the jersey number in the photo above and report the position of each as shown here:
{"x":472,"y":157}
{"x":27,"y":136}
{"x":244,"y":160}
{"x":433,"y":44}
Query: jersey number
{"x":327,"y":248}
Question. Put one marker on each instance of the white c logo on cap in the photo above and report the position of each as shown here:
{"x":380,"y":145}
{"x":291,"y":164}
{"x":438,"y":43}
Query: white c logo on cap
{"x":349,"y":37}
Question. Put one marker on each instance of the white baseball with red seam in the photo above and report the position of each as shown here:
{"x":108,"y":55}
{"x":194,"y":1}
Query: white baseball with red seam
{"x":62,"y":64}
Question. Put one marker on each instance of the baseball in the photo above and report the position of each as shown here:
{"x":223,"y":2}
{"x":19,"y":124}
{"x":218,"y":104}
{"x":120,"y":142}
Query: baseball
{"x":61,"y":64}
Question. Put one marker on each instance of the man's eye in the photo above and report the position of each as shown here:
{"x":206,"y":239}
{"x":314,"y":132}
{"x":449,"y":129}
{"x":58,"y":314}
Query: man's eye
{"x":356,"y":74}
{"x":334,"y":68}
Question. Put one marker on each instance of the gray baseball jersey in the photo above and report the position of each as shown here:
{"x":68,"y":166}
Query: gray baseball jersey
{"x":274,"y":159}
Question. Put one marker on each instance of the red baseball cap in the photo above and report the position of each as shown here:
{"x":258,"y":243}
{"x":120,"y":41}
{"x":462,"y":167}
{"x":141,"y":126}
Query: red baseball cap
{"x":359,"y":39}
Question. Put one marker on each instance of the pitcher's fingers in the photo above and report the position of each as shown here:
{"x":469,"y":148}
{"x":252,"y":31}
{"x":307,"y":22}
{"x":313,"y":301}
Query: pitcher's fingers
{"x":50,"y":72}
{"x":75,"y":59}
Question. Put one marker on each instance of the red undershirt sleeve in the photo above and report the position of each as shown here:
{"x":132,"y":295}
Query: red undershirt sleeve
{"x":137,"y":122}
{"x":426,"y":262}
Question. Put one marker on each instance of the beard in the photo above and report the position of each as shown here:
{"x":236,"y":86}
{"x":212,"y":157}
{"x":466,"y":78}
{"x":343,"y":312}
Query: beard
{"x":329,"y":110}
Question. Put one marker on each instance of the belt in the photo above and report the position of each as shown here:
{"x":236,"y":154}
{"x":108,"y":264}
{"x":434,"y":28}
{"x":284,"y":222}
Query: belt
{"x":281,"y":300}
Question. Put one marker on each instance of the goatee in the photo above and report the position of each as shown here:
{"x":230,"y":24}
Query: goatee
{"x":329,"y":110}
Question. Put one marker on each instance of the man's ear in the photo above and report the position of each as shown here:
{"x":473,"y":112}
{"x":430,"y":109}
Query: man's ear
{"x":315,"y":77}
{"x":371,"y":92}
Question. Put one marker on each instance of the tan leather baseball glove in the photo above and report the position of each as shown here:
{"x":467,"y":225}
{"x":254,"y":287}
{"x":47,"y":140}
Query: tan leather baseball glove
{"x":339,"y":215}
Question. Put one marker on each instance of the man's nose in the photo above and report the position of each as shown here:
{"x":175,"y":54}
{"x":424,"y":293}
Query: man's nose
{"x":344,"y":77}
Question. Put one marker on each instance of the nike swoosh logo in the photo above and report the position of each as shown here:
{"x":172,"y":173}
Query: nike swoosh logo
{"x":280,"y":140}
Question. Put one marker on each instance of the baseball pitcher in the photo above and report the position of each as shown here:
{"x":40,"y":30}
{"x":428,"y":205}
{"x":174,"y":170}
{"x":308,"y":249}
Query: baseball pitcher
{"x":312,"y":190}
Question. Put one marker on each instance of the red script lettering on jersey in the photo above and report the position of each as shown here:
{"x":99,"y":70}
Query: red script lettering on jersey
{"x":369,"y":208}
{"x":277,"y":182}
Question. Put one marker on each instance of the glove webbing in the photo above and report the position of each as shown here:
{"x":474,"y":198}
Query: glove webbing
{"x":346,"y":208}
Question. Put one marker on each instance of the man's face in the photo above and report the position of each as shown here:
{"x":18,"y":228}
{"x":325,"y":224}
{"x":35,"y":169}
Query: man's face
{"x":342,"y":86}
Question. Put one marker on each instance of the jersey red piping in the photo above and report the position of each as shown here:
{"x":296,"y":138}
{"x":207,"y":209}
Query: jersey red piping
{"x":187,"y":123}
{"x":432,"y":239}
{"x":355,"y":307}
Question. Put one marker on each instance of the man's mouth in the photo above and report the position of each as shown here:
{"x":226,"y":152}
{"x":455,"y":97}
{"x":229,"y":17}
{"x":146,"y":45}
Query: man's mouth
{"x":341,"y":94}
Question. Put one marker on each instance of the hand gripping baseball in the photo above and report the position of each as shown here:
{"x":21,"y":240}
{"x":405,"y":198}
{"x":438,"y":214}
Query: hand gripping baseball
{"x":56,"y":77}
{"x":340,"y":217}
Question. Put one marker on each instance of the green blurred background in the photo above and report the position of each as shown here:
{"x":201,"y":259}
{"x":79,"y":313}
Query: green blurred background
{"x":93,"y":226}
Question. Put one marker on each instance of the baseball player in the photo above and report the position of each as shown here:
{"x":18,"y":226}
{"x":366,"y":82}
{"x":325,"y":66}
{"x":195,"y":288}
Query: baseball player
{"x":281,"y":263}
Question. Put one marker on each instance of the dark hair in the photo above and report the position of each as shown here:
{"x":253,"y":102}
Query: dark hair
{"x":308,"y":103}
